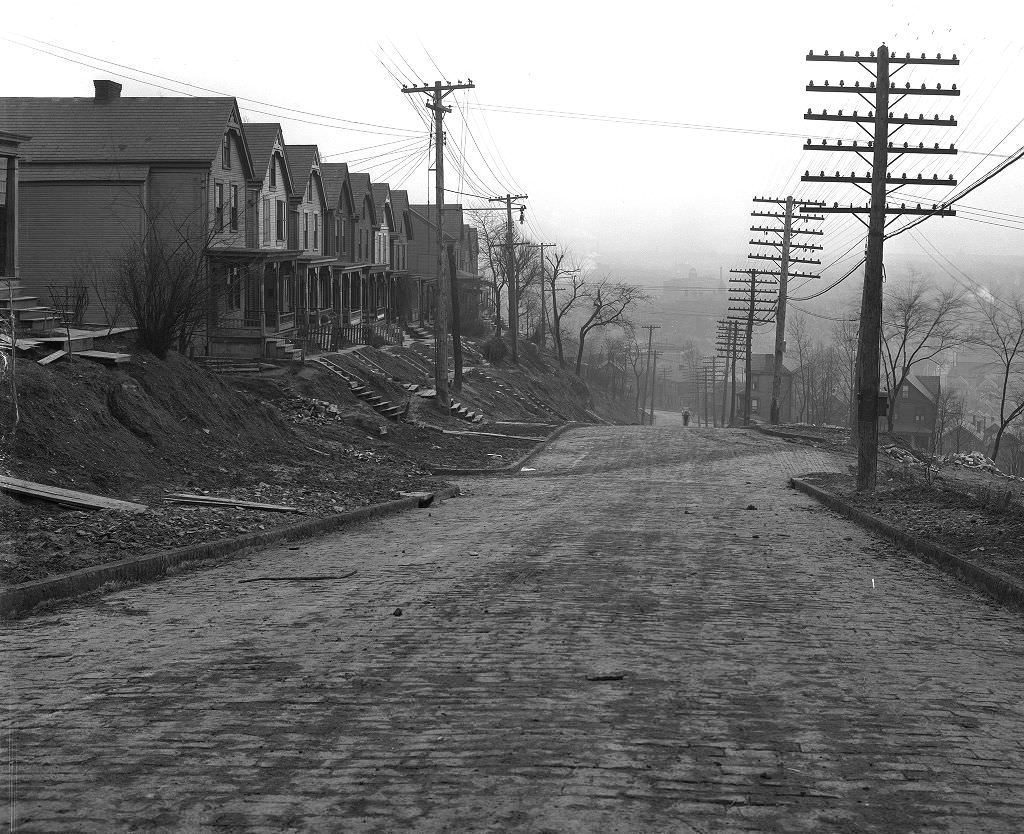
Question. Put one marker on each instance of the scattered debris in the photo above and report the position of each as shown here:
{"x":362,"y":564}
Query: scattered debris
{"x":52,"y":357}
{"x":397,"y":612}
{"x":612,"y":676}
{"x":186,"y":498}
{"x":68,"y":497}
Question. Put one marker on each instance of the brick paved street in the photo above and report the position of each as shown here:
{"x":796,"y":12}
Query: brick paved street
{"x":612,"y":642}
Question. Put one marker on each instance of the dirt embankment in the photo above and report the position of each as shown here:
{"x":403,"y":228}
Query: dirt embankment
{"x":295,"y":435}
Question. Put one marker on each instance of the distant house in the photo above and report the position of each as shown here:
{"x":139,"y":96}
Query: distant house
{"x":313,"y":296}
{"x":762,"y":375}
{"x":423,"y":259}
{"x":915,"y":409}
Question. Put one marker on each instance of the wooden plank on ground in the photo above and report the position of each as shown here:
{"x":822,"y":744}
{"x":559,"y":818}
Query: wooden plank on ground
{"x":492,"y":434}
{"x":53,"y":357}
{"x":214,"y":501}
{"x":105,"y":357}
{"x":70,"y":497}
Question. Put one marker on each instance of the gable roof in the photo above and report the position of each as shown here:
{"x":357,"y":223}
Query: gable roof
{"x":121,"y":130}
{"x":361,"y":189}
{"x":301,"y":160}
{"x":929,"y":386}
{"x":451,"y":219}
{"x":400,"y":208}
{"x":381,"y":199}
{"x":261,"y":138}
{"x":336,"y":182}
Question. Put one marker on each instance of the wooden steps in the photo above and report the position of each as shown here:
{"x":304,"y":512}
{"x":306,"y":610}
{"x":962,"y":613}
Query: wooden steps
{"x":363,"y":392}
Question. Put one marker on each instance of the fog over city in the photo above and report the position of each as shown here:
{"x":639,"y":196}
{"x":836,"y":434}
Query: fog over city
{"x":640,"y":134}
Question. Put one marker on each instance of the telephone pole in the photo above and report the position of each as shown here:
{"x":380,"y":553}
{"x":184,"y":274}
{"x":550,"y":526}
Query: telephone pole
{"x":436,"y":95}
{"x":757,"y":307}
{"x":654,"y":381}
{"x":543,"y":298}
{"x":884,"y":94}
{"x":784,"y":242}
{"x":728,"y":343}
{"x":650,"y":328}
{"x":511,"y":276}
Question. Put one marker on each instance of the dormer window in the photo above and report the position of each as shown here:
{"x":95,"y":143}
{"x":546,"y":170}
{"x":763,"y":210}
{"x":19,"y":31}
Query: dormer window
{"x":225,"y":156}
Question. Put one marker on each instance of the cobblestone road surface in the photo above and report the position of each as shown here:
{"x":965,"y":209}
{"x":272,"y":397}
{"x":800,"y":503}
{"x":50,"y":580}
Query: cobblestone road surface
{"x":647,"y":633}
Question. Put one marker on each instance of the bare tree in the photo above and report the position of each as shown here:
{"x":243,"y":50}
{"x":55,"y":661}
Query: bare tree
{"x":611,"y":302}
{"x":1002,"y":334}
{"x":566,"y":282}
{"x":163,"y":279}
{"x":920,"y":322}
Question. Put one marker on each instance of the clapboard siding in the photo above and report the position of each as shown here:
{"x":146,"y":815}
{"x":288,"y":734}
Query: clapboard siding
{"x":176,"y":202}
{"x":235,"y":175}
{"x":65,"y":227}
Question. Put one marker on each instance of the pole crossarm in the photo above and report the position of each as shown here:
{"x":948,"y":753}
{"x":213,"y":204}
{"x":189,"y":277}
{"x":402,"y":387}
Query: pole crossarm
{"x":445,"y":88}
{"x":759,"y":257}
{"x":870,"y":146}
{"x":866,"y":178}
{"x":791,"y":246}
{"x":905,"y":119}
{"x":893,"y":89}
{"x":936,"y":210}
{"x":857,"y":58}
{"x":782,"y":201}
{"x":783,"y":214}
{"x":780,"y":230}
{"x":791,"y":274}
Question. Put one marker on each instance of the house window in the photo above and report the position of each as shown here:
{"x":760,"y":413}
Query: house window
{"x":305,"y":230}
{"x":281,"y":219}
{"x":234,"y":208}
{"x":905,"y":393}
{"x":273,"y":171}
{"x":753,"y":404}
{"x":309,"y":189}
{"x":218,"y":205}
{"x":225,"y":156}
{"x":266,"y":219}
{"x":316,"y":230}
{"x":337,"y":235}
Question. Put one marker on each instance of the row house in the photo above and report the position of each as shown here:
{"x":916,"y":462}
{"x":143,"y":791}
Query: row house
{"x":103,"y":175}
{"x":471,"y":289}
{"x":289,"y":242}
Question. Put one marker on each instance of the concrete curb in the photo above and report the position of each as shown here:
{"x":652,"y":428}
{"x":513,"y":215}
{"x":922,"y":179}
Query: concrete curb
{"x":21,"y":599}
{"x":1000,"y":586}
{"x":512,"y":467}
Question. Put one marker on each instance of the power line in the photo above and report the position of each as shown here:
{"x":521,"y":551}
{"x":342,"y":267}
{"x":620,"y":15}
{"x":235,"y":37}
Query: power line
{"x":206,"y":89}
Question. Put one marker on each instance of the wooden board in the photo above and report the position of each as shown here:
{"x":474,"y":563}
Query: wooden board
{"x":70,"y":497}
{"x":53,"y":357}
{"x":214,"y":501}
{"x":105,"y":357}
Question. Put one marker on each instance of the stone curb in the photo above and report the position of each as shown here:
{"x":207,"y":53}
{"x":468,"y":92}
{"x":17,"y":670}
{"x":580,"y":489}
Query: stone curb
{"x":21,"y":599}
{"x":512,"y":467}
{"x":1000,"y":586}
{"x":791,"y":435}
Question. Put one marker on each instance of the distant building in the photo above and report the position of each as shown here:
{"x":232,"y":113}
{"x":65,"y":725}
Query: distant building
{"x":762,"y":375}
{"x":915,"y":409}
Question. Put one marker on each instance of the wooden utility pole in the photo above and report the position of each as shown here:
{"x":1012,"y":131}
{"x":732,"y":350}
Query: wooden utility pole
{"x":654,"y":381}
{"x":650,"y":328}
{"x":436,"y":95}
{"x":511,"y":274}
{"x":735,"y":351}
{"x":756,"y":307}
{"x":886,"y":96}
{"x":456,"y":321}
{"x":784,"y":243}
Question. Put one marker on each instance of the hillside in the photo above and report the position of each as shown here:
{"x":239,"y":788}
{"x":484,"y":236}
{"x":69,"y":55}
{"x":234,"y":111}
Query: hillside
{"x":293,"y":434}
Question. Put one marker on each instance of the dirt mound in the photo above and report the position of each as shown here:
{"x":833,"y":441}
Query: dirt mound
{"x":89,"y":427}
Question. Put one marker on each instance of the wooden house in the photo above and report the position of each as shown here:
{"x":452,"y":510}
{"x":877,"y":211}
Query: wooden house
{"x":762,"y":376}
{"x":914,"y":410}
{"x":101,"y":175}
{"x":313,"y":293}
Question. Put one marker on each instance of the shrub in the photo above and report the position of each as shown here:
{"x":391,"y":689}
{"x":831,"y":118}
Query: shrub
{"x":494,"y":350}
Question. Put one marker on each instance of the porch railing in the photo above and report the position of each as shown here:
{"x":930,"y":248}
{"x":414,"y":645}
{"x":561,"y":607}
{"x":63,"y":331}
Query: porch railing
{"x":327,"y":338}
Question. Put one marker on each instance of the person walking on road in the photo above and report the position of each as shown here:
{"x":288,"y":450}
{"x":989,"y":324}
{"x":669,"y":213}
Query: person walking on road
{"x":686,"y":416}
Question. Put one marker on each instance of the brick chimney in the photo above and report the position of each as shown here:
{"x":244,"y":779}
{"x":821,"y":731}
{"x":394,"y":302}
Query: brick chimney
{"x":106,"y":90}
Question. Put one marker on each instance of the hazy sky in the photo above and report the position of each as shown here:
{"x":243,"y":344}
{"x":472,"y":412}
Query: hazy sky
{"x":665,"y":194}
